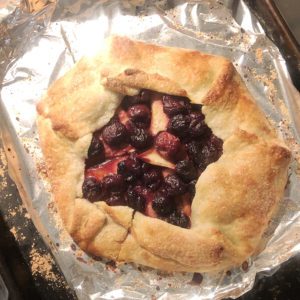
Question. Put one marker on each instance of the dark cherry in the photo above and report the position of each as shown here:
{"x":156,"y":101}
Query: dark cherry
{"x":174,"y":105}
{"x":136,"y":198}
{"x":186,"y":170}
{"x":116,"y":200}
{"x":205,"y":152}
{"x":196,"y":107}
{"x":113,"y":183}
{"x":163,"y":205}
{"x":96,"y":154}
{"x":152,"y":178}
{"x":179,"y":125}
{"x":130,"y":126}
{"x":139,"y":113}
{"x":142,"y":98}
{"x":91,"y":189}
{"x":146,"y":167}
{"x":194,"y":152}
{"x":197,"y":126}
{"x":115,"y":133}
{"x":211,"y":151}
{"x":168,"y":145}
{"x":191,"y":188}
{"x":139,"y":138}
{"x":130,"y":169}
{"x":179,"y":219}
{"x":96,"y":147}
{"x":174,"y":185}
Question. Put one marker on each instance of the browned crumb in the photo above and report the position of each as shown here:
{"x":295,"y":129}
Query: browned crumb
{"x":18,"y":236}
{"x":197,"y":279}
{"x":3,"y":167}
{"x":42,"y":264}
{"x":27,"y":216}
{"x":41,"y":169}
{"x":52,"y":207}
{"x":259,"y":55}
{"x":79,"y":254}
{"x":12,"y":213}
{"x":268,"y":81}
{"x":111,"y":266}
{"x":18,"y":210}
{"x":81,"y":260}
{"x":245,"y":266}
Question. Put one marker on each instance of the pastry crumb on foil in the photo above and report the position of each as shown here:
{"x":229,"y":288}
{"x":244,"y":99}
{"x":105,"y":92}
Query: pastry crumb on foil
{"x":40,"y":43}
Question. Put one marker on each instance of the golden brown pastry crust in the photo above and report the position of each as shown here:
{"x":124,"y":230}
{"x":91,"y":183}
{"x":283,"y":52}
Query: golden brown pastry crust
{"x":235,"y":196}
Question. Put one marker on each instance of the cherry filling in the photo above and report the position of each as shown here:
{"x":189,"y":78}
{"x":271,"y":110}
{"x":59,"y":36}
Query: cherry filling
{"x":150,"y":155}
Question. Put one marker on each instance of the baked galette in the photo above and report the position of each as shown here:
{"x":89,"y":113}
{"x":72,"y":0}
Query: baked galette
{"x":159,"y":156}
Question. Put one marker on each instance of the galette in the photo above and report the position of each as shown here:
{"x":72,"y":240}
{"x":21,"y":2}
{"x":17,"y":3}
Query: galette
{"x":159,"y":156}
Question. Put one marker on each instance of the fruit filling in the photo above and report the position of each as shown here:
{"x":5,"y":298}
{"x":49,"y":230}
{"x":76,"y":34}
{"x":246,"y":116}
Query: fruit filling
{"x":150,"y":155}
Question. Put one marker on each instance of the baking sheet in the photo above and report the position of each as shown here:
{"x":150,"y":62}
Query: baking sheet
{"x":37,"y":48}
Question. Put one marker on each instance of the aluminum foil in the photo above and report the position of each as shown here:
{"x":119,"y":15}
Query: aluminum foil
{"x":7,"y":7}
{"x":37,"y":48}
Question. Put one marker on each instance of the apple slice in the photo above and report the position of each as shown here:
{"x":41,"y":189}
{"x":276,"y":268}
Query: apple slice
{"x":111,"y":152}
{"x":151,"y":156}
{"x":159,"y":120}
{"x":104,"y":169}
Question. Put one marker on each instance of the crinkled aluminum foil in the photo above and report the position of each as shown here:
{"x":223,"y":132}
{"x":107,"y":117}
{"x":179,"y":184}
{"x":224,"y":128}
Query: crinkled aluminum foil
{"x":38,"y":48}
{"x":7,"y":7}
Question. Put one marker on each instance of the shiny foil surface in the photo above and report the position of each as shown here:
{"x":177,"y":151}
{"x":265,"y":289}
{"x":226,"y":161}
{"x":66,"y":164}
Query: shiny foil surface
{"x":38,"y":47}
